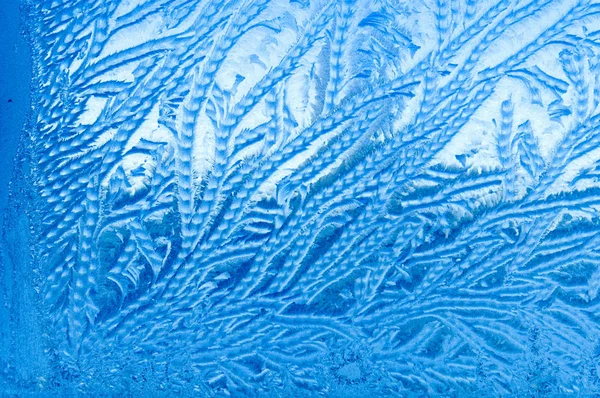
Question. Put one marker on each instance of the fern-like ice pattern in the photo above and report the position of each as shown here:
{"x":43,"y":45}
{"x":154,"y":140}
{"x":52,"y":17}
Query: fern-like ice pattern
{"x":319,"y":198}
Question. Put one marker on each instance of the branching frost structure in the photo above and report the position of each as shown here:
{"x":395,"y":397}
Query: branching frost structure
{"x":263,"y":197}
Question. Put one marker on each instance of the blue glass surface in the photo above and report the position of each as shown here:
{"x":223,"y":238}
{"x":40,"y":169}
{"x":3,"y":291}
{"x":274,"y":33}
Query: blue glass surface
{"x":298,"y":198}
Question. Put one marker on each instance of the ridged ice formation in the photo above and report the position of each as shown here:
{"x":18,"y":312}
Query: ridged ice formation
{"x":298,"y":198}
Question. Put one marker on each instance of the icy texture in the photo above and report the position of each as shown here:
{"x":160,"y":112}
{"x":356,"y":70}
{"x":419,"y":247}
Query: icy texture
{"x":310,"y":198}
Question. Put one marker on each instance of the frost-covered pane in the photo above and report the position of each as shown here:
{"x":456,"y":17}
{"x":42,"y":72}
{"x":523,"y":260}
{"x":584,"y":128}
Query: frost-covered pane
{"x":312,"y":198}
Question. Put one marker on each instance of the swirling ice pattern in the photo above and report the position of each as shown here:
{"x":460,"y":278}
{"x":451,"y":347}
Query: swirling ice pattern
{"x":319,"y":198}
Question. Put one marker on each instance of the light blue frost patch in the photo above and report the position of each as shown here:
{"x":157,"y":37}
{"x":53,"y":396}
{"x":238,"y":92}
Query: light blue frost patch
{"x":316,"y":198}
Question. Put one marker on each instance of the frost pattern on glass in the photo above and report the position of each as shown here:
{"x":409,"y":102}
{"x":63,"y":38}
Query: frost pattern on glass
{"x":300,"y":198}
